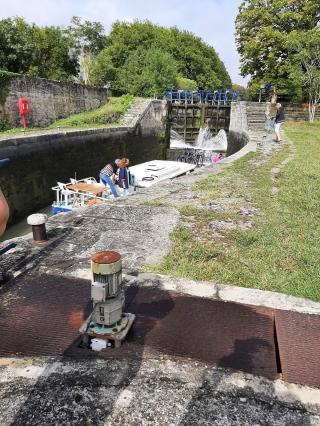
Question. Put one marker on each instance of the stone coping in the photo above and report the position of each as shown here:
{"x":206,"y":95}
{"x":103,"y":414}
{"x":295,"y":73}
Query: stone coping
{"x":226,"y":293}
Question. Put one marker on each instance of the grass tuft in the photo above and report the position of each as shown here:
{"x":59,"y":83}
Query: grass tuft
{"x":110,"y":113}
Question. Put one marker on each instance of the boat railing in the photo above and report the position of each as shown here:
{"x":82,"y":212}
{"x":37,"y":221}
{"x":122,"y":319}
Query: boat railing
{"x":76,"y":194}
{"x":212,"y":97}
{"x":66,"y":196}
{"x":85,"y":180}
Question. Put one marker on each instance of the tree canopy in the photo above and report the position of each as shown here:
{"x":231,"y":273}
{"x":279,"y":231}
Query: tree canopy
{"x":139,"y":58}
{"x":43,"y":52}
{"x":187,"y":56}
{"x":263,"y":32}
{"x":147,"y":72}
{"x":89,"y":39}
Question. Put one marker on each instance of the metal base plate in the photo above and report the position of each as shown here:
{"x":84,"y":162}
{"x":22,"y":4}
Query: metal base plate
{"x":117,"y":333}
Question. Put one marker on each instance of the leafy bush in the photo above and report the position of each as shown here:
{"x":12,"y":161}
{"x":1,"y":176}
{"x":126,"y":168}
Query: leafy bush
{"x":147,"y":73}
{"x":4,"y":125}
{"x":186,"y":83}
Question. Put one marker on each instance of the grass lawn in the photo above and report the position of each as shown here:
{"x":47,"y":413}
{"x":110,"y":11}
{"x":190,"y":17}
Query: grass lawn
{"x":110,"y":113}
{"x":105,"y":116}
{"x":281,"y":252}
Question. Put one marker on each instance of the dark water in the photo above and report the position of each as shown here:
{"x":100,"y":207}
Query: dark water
{"x":21,"y":228}
{"x":36,"y":167}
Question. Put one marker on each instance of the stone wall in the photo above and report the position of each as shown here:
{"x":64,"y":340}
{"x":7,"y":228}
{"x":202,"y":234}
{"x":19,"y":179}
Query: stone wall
{"x":49,"y":100}
{"x":38,"y":162}
{"x":295,"y":112}
{"x":238,"y":116}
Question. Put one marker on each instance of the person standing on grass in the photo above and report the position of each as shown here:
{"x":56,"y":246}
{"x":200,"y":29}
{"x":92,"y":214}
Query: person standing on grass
{"x":4,"y":213}
{"x":279,"y":120}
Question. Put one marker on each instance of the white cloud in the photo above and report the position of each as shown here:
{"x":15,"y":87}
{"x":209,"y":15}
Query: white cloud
{"x":212,"y":20}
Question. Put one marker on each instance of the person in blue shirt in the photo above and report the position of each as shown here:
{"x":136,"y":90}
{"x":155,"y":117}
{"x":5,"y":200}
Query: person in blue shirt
{"x":123,"y":181}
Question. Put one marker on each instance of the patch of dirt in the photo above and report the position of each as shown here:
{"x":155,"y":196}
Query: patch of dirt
{"x":230,"y":224}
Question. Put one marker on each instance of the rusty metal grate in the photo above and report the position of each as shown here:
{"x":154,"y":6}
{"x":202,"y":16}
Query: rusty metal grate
{"x":298,"y":337}
{"x":41,"y":314}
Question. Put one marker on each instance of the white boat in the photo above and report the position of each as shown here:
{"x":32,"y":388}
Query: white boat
{"x":87,"y":191}
{"x":152,"y":172}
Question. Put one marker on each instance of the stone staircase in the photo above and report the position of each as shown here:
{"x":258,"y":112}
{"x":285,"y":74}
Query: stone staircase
{"x":256,"y":116}
{"x":256,"y":121}
{"x":134,"y":113}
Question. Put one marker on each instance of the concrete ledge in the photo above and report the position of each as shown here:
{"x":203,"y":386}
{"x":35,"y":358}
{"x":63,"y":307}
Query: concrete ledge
{"x":227,"y":293}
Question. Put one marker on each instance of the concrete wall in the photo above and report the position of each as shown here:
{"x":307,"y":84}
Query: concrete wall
{"x":238,"y":116}
{"x":236,"y":141}
{"x":238,"y":136}
{"x":153,"y":118}
{"x":38,"y":162}
{"x":49,"y":100}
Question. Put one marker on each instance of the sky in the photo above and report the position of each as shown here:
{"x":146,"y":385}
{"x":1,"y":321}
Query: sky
{"x":212,"y":20}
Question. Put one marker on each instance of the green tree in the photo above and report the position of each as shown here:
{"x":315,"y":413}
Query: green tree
{"x":194,"y":59}
{"x":102,"y":69}
{"x":28,"y":49}
{"x":16,"y":52}
{"x":52,"y":56}
{"x":89,"y":39}
{"x":306,"y":67}
{"x":186,"y":84}
{"x":262,"y":31}
{"x":147,"y":73}
{"x":242,"y":91}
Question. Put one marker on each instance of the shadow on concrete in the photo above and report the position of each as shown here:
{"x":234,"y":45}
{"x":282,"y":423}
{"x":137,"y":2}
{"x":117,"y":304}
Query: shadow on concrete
{"x":23,"y":260}
{"x":220,"y":402}
{"x":82,"y":386}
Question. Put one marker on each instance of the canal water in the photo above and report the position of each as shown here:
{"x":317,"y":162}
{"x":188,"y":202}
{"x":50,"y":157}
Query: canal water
{"x":21,"y":228}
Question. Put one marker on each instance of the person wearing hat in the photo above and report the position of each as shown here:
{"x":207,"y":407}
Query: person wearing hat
{"x":108,"y":173}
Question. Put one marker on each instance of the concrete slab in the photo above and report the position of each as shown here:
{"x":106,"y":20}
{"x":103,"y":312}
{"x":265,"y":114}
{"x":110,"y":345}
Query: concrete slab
{"x":147,"y":391}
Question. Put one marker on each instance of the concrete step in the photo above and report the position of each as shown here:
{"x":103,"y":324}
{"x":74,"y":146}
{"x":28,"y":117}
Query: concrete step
{"x":135,"y":111}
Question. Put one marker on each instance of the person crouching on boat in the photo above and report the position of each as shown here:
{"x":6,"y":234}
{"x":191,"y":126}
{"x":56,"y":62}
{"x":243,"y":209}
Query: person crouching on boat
{"x":123,"y":181}
{"x":108,"y":174}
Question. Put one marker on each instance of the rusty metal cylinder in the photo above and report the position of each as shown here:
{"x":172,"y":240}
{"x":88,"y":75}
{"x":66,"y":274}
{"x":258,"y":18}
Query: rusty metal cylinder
{"x":38,"y":223}
{"x":106,"y":292}
{"x":106,"y":267}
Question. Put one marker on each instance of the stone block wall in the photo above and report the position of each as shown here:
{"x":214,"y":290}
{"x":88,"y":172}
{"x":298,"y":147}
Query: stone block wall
{"x":299,"y":112}
{"x":49,"y":100}
{"x":238,"y":116}
{"x":154,"y":116}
